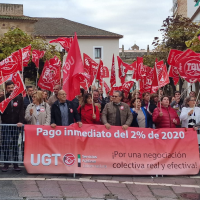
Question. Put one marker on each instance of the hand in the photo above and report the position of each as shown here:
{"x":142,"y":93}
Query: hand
{"x":31,"y":111}
{"x":79,"y":124}
{"x":195,"y":128}
{"x":93,"y":116}
{"x":107,"y":126}
{"x":149,"y":112}
{"x":191,"y":111}
{"x":174,"y":121}
{"x":19,"y":124}
{"x":53,"y":125}
{"x":160,"y":114}
{"x":124,"y":127}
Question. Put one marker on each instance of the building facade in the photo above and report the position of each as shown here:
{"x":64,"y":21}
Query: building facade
{"x":97,"y":43}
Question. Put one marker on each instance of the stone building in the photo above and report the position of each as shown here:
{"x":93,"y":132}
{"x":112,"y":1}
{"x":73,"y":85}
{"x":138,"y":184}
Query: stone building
{"x":97,"y":43}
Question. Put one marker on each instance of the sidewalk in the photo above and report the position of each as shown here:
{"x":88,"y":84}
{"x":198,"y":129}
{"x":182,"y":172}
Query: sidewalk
{"x":20,"y":185}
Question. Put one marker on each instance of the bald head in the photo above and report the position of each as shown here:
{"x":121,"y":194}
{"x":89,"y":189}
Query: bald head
{"x":62,"y":96}
{"x":56,"y":89}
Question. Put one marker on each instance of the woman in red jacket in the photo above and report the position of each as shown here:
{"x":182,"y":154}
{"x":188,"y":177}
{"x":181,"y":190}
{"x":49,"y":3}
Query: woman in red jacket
{"x":86,"y":111}
{"x":166,"y":117}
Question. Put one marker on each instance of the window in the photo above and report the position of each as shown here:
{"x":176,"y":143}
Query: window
{"x":97,"y":52}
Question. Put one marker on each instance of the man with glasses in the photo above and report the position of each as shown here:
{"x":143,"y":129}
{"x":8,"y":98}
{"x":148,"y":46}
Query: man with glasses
{"x":63,"y":112}
{"x":117,"y":113}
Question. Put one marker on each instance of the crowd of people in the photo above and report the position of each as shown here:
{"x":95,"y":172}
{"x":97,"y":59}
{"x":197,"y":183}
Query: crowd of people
{"x":91,"y":107}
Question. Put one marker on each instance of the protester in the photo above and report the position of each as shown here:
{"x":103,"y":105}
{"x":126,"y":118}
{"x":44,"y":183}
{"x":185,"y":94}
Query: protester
{"x":28,"y":97}
{"x":153,"y":102}
{"x":141,"y":117}
{"x":13,"y":114}
{"x":38,"y":112}
{"x":166,"y":117}
{"x":146,"y":100}
{"x":177,"y":103}
{"x":107,"y":98}
{"x":89,"y":112}
{"x":117,"y":113}
{"x":1,"y":92}
{"x":54,"y":97}
{"x":77,"y":101}
{"x":190,"y":115}
{"x":126,"y":98}
{"x":63,"y":112}
{"x":45,"y":96}
{"x":135,"y":94}
{"x":160,"y":93}
{"x":192,"y":94}
{"x":98,"y":102}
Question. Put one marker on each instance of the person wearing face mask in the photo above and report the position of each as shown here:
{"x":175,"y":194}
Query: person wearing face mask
{"x":166,"y":116}
{"x":190,"y":115}
{"x":38,"y":112}
{"x":88,"y":111}
{"x":13,"y":114}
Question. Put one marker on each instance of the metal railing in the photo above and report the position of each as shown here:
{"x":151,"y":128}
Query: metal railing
{"x":11,"y":143}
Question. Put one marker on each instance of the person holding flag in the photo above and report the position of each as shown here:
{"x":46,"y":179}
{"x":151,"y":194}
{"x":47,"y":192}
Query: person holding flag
{"x":13,"y":114}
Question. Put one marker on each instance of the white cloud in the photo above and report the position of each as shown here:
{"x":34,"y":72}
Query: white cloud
{"x":137,"y":20}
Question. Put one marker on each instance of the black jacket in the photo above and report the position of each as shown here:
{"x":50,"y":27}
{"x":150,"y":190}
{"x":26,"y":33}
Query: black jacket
{"x":26,"y":101}
{"x":56,"y":113}
{"x":14,"y":113}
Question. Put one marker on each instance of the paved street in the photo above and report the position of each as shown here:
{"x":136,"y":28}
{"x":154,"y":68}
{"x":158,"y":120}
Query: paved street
{"x":20,"y":185}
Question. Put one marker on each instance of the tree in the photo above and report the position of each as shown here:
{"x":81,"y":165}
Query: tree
{"x":16,"y":39}
{"x":175,"y":32}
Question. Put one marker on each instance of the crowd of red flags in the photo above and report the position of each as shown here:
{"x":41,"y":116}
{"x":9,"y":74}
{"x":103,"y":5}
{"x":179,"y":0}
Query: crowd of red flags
{"x":78,"y":73}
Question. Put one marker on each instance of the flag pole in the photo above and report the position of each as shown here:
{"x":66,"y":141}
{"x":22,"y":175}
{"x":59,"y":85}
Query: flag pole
{"x":158,"y":84}
{"x":197,"y":98}
{"x":3,"y":85}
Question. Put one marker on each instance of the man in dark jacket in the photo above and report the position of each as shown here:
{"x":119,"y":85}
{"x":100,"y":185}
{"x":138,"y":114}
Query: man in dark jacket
{"x":63,"y":112}
{"x":13,"y":114}
{"x":28,"y":97}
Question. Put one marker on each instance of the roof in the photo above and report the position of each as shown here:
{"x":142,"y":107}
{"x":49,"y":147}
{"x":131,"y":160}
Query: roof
{"x":17,"y":17}
{"x":60,"y":27}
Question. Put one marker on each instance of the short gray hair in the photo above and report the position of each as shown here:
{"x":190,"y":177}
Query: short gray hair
{"x":119,"y":92}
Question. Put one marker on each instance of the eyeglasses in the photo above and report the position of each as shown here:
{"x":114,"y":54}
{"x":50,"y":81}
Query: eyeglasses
{"x":114,"y":96}
{"x":63,"y":94}
{"x":193,"y":100}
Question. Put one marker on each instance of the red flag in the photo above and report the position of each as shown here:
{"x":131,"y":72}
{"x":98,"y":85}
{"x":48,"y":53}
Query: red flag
{"x":173,"y":56}
{"x":100,"y":73}
{"x":134,"y":67}
{"x":191,"y":80}
{"x":175,"y":80}
{"x":141,"y":71}
{"x":11,"y":64}
{"x":123,"y":69}
{"x":64,"y":42}
{"x":115,"y":88}
{"x":26,"y":52}
{"x":161,"y":74}
{"x":36,"y":55}
{"x":146,"y":82}
{"x":105,"y":72}
{"x":173,"y":72}
{"x":126,"y":87}
{"x":72,"y":67}
{"x":3,"y":79}
{"x":90,"y":67}
{"x":189,"y":67}
{"x":84,"y":80}
{"x":19,"y":88}
{"x":50,"y":74}
{"x":107,"y":89}
{"x":113,"y":75}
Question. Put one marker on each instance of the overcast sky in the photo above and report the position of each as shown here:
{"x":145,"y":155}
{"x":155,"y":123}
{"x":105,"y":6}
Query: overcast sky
{"x":137,"y":20}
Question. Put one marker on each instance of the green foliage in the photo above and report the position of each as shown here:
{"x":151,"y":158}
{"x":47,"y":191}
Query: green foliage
{"x":16,"y":39}
{"x":194,"y":43}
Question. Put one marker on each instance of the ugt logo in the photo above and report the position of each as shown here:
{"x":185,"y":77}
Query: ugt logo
{"x":69,"y":159}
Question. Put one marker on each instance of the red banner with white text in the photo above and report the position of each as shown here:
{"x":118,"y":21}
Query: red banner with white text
{"x":93,"y":149}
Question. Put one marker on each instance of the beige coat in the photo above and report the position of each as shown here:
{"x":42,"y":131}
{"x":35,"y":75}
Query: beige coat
{"x":44,"y":115}
{"x":109,"y":114}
